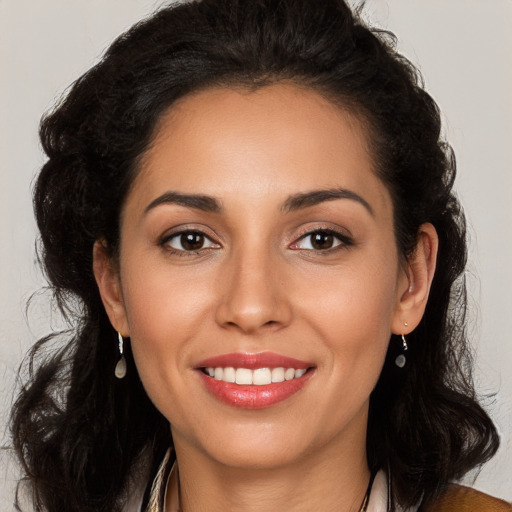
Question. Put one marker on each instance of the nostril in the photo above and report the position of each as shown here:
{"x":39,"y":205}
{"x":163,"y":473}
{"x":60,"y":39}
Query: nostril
{"x":249,"y":311}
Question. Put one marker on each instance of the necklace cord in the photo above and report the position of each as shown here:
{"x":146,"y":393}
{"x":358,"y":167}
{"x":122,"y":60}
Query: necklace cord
{"x":366,"y":499}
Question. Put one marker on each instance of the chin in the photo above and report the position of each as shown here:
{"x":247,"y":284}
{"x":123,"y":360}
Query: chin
{"x":261,"y":447}
{"x":262,"y":457}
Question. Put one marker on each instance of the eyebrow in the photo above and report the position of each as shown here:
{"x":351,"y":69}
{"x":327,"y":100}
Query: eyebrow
{"x":308,"y":199}
{"x":293,"y":203}
{"x":196,"y":201}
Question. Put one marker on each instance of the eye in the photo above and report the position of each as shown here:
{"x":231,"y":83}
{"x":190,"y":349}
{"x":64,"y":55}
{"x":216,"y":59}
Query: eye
{"x":189,"y":241}
{"x":321,"y":240}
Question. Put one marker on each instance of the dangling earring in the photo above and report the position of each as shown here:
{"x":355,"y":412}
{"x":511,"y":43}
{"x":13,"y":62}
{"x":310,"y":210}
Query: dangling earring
{"x":120,"y":371}
{"x":400,"y":358}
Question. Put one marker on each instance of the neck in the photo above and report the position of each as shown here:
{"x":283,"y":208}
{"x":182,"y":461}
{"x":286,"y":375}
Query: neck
{"x":333,"y":479}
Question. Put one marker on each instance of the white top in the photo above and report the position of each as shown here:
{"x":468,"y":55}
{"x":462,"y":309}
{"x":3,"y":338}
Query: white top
{"x":378,"y":496}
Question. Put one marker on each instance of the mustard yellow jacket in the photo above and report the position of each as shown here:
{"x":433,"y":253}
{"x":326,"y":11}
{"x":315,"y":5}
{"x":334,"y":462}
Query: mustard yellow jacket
{"x":458,"y":498}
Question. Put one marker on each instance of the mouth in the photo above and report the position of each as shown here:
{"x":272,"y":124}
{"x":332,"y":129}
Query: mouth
{"x":254,"y":381}
{"x":257,"y":377}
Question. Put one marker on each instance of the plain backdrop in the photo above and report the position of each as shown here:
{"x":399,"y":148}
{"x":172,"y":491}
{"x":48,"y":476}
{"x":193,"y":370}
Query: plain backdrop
{"x":463,"y":48}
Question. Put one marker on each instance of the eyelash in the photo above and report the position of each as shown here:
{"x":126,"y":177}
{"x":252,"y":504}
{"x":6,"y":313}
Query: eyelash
{"x":344,"y":242}
{"x":183,"y":252}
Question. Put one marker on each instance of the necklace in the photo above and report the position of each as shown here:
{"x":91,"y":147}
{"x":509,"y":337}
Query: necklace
{"x":166,"y":472}
{"x":366,"y":499}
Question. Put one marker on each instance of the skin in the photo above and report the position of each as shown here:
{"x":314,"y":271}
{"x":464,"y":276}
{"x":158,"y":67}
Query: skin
{"x":259,"y":285}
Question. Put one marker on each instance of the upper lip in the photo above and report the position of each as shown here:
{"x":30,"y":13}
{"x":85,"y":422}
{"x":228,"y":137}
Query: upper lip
{"x":253,"y":361}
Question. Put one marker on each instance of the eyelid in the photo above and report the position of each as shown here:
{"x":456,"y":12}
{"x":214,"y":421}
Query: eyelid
{"x":177,"y":231}
{"x":344,"y":238}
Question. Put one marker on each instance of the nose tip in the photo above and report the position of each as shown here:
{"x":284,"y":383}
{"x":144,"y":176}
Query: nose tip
{"x":253,"y":300}
{"x":250,"y":319}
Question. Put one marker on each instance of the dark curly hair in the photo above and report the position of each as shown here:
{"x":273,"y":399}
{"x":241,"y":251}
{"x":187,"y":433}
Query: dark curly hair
{"x":70,"y":421}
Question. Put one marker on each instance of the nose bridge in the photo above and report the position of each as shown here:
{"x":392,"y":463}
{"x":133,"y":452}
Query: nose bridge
{"x":253,"y":296}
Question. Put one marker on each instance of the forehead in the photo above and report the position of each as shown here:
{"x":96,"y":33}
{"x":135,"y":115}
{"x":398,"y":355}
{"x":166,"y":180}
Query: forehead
{"x":278,"y":139}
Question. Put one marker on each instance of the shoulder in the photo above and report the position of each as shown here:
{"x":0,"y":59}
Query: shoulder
{"x":458,"y":498}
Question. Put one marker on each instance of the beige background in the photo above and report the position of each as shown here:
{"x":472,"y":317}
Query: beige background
{"x":464,"y":49}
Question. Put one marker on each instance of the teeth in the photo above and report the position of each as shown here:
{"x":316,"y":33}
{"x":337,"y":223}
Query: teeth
{"x":277,"y":374}
{"x":243,"y":376}
{"x":262,"y":376}
{"x":229,"y":375}
{"x":257,"y":377}
{"x":289,"y":374}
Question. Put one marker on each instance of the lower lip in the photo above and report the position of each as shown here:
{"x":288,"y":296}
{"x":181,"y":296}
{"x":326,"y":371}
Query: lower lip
{"x":253,"y":397}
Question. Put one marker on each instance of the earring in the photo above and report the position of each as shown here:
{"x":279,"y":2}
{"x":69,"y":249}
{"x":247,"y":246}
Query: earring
{"x":120,"y":370}
{"x":400,"y":358}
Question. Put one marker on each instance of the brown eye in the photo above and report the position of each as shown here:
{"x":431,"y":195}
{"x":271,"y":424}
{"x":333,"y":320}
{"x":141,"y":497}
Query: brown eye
{"x":189,"y":241}
{"x":322,"y":240}
{"x":192,"y":241}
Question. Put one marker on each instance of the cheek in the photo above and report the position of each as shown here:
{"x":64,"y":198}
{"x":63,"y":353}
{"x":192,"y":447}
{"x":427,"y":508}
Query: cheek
{"x":165,"y":312}
{"x":351,"y":311}
{"x":161,"y":300}
{"x":350,"y":320}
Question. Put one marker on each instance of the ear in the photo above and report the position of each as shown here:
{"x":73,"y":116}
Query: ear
{"x":415,"y":282}
{"x":107,"y":278}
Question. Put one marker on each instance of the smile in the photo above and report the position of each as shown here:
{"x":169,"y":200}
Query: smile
{"x":257,"y":377}
{"x":254,"y":381}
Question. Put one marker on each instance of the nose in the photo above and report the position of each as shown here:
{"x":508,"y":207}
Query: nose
{"x":253,"y":297}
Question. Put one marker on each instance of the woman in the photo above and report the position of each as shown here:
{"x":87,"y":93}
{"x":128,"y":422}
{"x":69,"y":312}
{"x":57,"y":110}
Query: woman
{"x":252,"y":204}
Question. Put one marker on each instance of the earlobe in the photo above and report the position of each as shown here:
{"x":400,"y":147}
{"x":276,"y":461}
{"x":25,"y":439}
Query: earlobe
{"x":109,"y":285}
{"x":419,"y":273}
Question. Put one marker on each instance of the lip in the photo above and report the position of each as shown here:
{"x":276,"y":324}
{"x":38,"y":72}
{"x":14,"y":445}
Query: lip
{"x":253,"y":396}
{"x":253,"y":361}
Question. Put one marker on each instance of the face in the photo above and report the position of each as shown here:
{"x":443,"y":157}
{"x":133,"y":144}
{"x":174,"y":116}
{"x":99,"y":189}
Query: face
{"x":257,"y":246}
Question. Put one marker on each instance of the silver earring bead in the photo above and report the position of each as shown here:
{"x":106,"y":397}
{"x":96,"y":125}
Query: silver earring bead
{"x":400,"y":358}
{"x":120,"y":370}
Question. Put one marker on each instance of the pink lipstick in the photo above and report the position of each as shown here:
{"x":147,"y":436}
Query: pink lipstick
{"x":254,"y":381}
